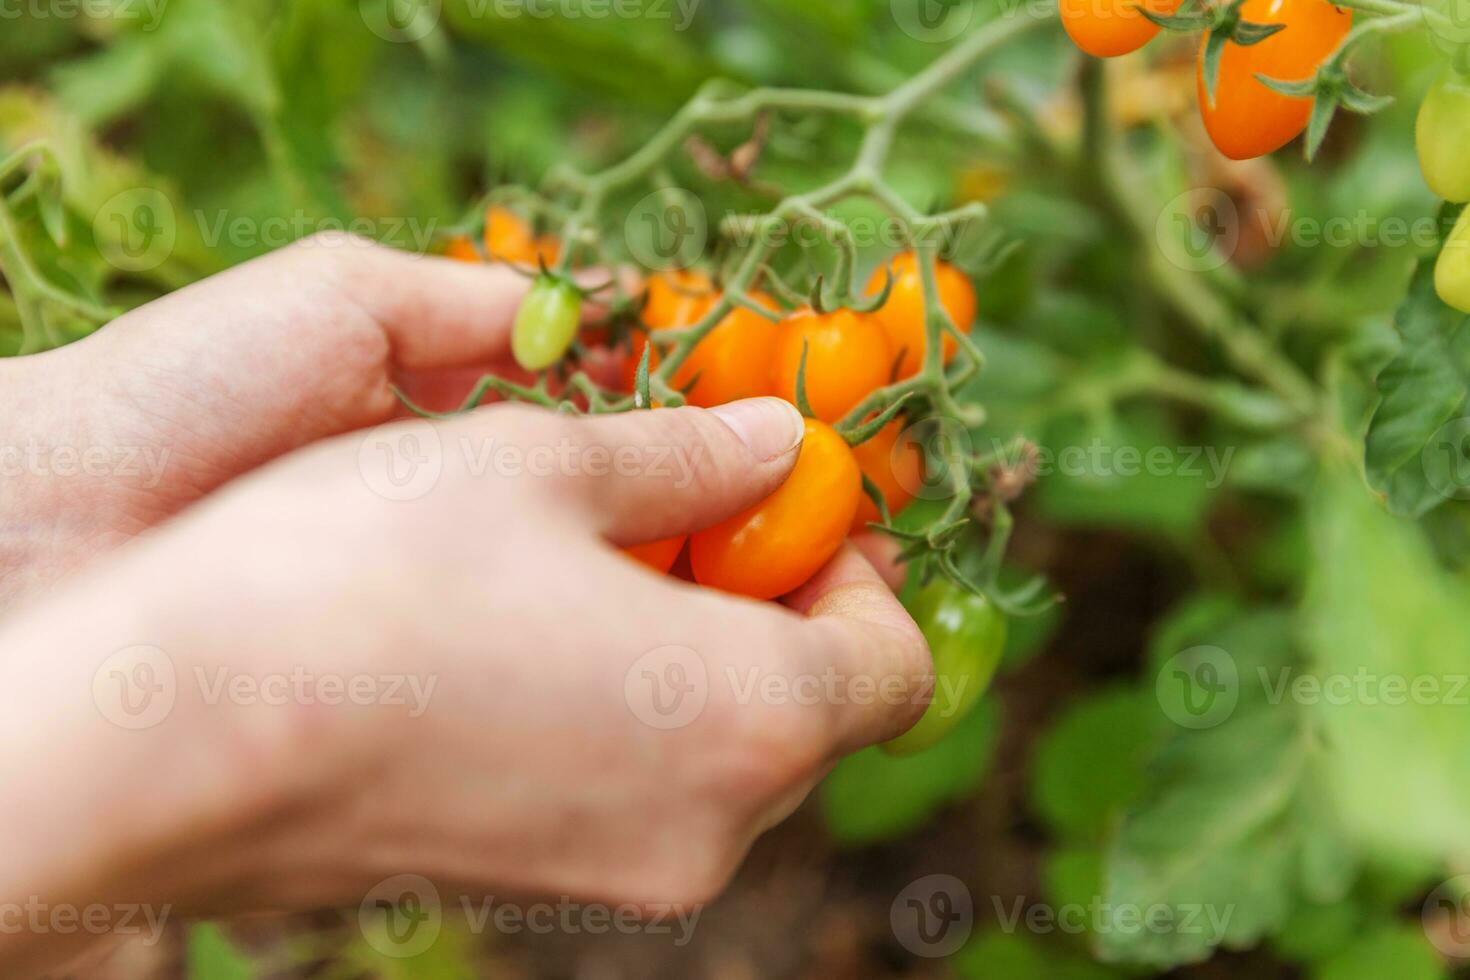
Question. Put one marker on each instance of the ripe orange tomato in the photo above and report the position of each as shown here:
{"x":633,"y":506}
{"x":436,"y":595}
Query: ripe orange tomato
{"x":461,"y":249}
{"x":733,"y":360}
{"x":902,"y":316}
{"x":848,"y":357}
{"x":658,"y":555}
{"x":678,"y":298}
{"x":508,"y":238}
{"x":896,"y":470}
{"x":778,"y":544}
{"x":1108,"y":28}
{"x":1248,"y":119}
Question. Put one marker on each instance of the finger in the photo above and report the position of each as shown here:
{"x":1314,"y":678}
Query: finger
{"x":859,"y":629}
{"x":882,"y":552}
{"x":674,"y":471}
{"x":436,"y":312}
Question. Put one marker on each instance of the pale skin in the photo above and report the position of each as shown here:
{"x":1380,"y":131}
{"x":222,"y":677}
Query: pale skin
{"x":265,"y":548}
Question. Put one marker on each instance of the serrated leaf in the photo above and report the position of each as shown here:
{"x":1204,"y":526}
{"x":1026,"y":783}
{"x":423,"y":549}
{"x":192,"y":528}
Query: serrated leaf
{"x":1421,"y":389}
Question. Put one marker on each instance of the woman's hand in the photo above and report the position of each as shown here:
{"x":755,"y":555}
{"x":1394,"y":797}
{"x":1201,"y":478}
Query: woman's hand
{"x":113,"y":434}
{"x":536,"y":712}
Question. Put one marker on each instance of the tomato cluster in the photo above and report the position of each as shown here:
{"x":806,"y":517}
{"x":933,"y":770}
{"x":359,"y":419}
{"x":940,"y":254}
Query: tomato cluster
{"x":840,"y":357}
{"x":837,"y":357}
{"x":1246,"y":118}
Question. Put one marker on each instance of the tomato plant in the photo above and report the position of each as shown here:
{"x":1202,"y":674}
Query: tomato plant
{"x":1109,"y":28}
{"x":1443,"y":137}
{"x":658,"y":555}
{"x":902,"y":316}
{"x":894,"y":465}
{"x":772,"y":548}
{"x":1247,"y":118}
{"x":546,"y":323}
{"x":966,"y":635}
{"x":1452,"y":272}
{"x":847,"y":357}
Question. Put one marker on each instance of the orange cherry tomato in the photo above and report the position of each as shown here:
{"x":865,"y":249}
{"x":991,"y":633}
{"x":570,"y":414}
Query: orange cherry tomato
{"x":1248,"y":119}
{"x":1109,"y":28}
{"x":848,"y":357}
{"x":461,"y":249}
{"x":658,"y":555}
{"x":678,"y":298}
{"x":778,"y":544}
{"x":733,"y":360}
{"x":896,"y":470}
{"x":902,"y":316}
{"x":508,"y":238}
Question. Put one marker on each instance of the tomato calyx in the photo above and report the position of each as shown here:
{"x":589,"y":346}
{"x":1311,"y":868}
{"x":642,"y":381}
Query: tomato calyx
{"x":1226,"y":26}
{"x":1330,"y":89}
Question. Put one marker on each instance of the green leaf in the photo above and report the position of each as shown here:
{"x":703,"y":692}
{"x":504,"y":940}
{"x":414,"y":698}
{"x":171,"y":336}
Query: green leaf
{"x":1379,"y":608}
{"x":1219,"y":836}
{"x":1422,"y":388}
{"x":1090,"y":764}
{"x":873,"y":796}
{"x":1399,"y":951}
{"x":212,"y":956}
{"x":1315,"y":932}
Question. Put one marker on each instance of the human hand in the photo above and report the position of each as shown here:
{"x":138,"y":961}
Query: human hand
{"x":537,"y":761}
{"x":113,"y":434}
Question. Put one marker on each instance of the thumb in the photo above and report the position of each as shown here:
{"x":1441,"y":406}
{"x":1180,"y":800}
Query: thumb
{"x":675,"y":471}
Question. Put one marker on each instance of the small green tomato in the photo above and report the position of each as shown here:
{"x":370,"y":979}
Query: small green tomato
{"x":546,"y":323}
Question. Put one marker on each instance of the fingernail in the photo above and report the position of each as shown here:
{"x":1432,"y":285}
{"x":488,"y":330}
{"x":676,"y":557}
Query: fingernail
{"x":769,"y":427}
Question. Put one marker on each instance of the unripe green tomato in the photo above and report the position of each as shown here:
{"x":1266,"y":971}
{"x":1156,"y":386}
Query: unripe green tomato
{"x":966,"y":635}
{"x":1452,"y":273}
{"x":546,"y":323}
{"x":1443,"y":138}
